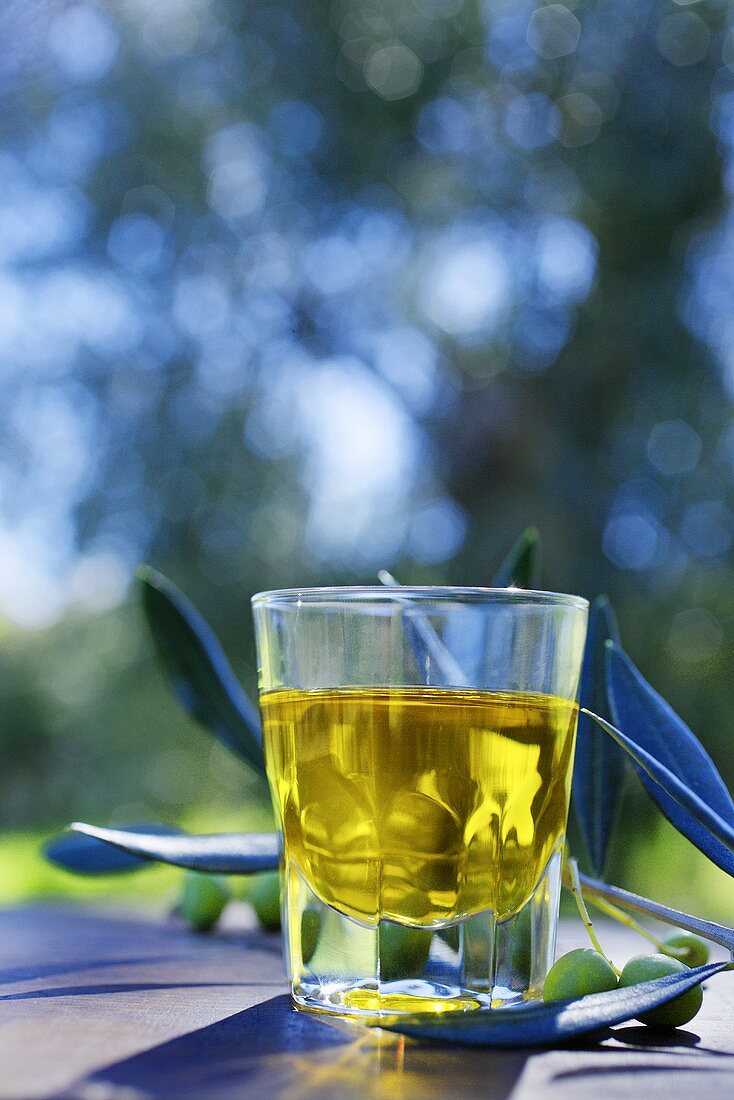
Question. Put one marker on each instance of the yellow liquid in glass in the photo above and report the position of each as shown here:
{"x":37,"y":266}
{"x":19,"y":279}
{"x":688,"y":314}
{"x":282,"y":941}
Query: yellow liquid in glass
{"x":419,"y":805}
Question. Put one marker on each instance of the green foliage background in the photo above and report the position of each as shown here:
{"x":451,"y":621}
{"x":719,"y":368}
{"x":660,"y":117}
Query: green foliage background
{"x":294,"y":292}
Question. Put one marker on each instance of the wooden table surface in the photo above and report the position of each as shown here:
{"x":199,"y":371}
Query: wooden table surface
{"x":105,"y":1004}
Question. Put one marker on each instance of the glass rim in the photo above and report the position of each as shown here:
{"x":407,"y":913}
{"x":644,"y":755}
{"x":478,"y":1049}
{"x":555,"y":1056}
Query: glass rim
{"x":380,"y":593}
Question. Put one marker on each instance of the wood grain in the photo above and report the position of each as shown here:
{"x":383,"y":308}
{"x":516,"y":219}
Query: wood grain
{"x":98,"y":1004}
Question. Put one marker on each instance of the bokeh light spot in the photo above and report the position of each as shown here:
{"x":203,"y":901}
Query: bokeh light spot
{"x":83,"y":41}
{"x":200,"y":304}
{"x":708,"y":528}
{"x":393,"y":71}
{"x":553,"y":31}
{"x":437,"y":532}
{"x":695,"y":635}
{"x":466,"y":286}
{"x":530,"y":120}
{"x":684,"y":38}
{"x":634,"y":540}
{"x":297,"y":127}
{"x":566,"y":259}
{"x":136,"y":242}
{"x":239,"y":171}
{"x":445,"y":126}
{"x":674,"y":447}
{"x":580,"y":117}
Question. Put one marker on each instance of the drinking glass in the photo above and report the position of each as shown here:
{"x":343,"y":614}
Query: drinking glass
{"x":419,"y":746}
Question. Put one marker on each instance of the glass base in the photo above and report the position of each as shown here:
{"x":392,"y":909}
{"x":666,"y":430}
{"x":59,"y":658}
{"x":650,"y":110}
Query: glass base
{"x":390,"y":999}
{"x":348,"y":969}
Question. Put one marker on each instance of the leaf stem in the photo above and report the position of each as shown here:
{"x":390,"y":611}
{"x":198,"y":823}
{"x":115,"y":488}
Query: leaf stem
{"x":575,"y":888}
{"x":629,"y":922}
{"x":717,"y":933}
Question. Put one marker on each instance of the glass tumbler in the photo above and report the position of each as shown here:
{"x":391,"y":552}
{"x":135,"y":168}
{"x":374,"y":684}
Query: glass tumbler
{"x":419,"y":746}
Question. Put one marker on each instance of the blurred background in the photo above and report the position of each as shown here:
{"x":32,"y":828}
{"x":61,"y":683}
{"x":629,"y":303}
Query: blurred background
{"x":291,"y":292}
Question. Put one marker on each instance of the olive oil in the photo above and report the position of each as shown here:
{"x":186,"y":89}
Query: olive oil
{"x":419,"y":805}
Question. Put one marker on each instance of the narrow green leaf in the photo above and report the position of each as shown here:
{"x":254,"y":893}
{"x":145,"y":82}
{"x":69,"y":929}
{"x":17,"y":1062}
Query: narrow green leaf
{"x":599,"y":766}
{"x":555,"y":1022}
{"x":217,"y":853}
{"x":695,"y":818}
{"x":431,"y":655}
{"x":200,"y":674}
{"x":520,"y":569}
{"x":86,"y":855}
{"x":651,"y":722}
{"x":521,"y":566}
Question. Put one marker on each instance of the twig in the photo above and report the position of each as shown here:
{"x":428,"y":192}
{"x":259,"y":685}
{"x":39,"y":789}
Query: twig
{"x":575,"y":888}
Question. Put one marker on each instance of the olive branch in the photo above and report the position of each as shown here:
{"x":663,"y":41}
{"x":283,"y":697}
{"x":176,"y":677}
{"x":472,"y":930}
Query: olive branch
{"x":624,"y":724}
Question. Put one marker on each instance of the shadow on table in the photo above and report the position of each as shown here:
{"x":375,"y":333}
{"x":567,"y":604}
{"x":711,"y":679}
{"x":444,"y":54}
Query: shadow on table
{"x":272,"y":1051}
{"x":657,"y":1038}
{"x":663,"y":1040}
{"x":116,"y":987}
{"x":607,"y":1072}
{"x":9,"y":975}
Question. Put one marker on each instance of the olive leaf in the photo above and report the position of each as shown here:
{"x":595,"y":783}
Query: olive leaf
{"x":214,"y":853}
{"x":694,"y":818}
{"x":555,"y":1022}
{"x":599,"y":767}
{"x":438,"y":666}
{"x":200,"y":674}
{"x":521,"y":566}
{"x":88,"y":856}
{"x":648,"y":720}
{"x":248,"y":853}
{"x":633,"y":903}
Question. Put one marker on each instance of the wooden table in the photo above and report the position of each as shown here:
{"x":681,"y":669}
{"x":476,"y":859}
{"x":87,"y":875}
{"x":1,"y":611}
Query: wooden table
{"x":100,"y":1004}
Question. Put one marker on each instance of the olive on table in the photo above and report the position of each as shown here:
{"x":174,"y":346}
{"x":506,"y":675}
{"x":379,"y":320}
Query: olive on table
{"x":578,"y":973}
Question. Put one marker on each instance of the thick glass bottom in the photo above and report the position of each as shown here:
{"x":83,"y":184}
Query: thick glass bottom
{"x":344,"y":968}
{"x":390,"y":999}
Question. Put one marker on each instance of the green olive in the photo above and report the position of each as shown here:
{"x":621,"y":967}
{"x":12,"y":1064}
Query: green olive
{"x":644,"y":968}
{"x":403,"y":951}
{"x":579,"y":972}
{"x":203,"y":899}
{"x":310,"y":932}
{"x":696,"y":950}
{"x":263,"y":893}
{"x":521,"y":952}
